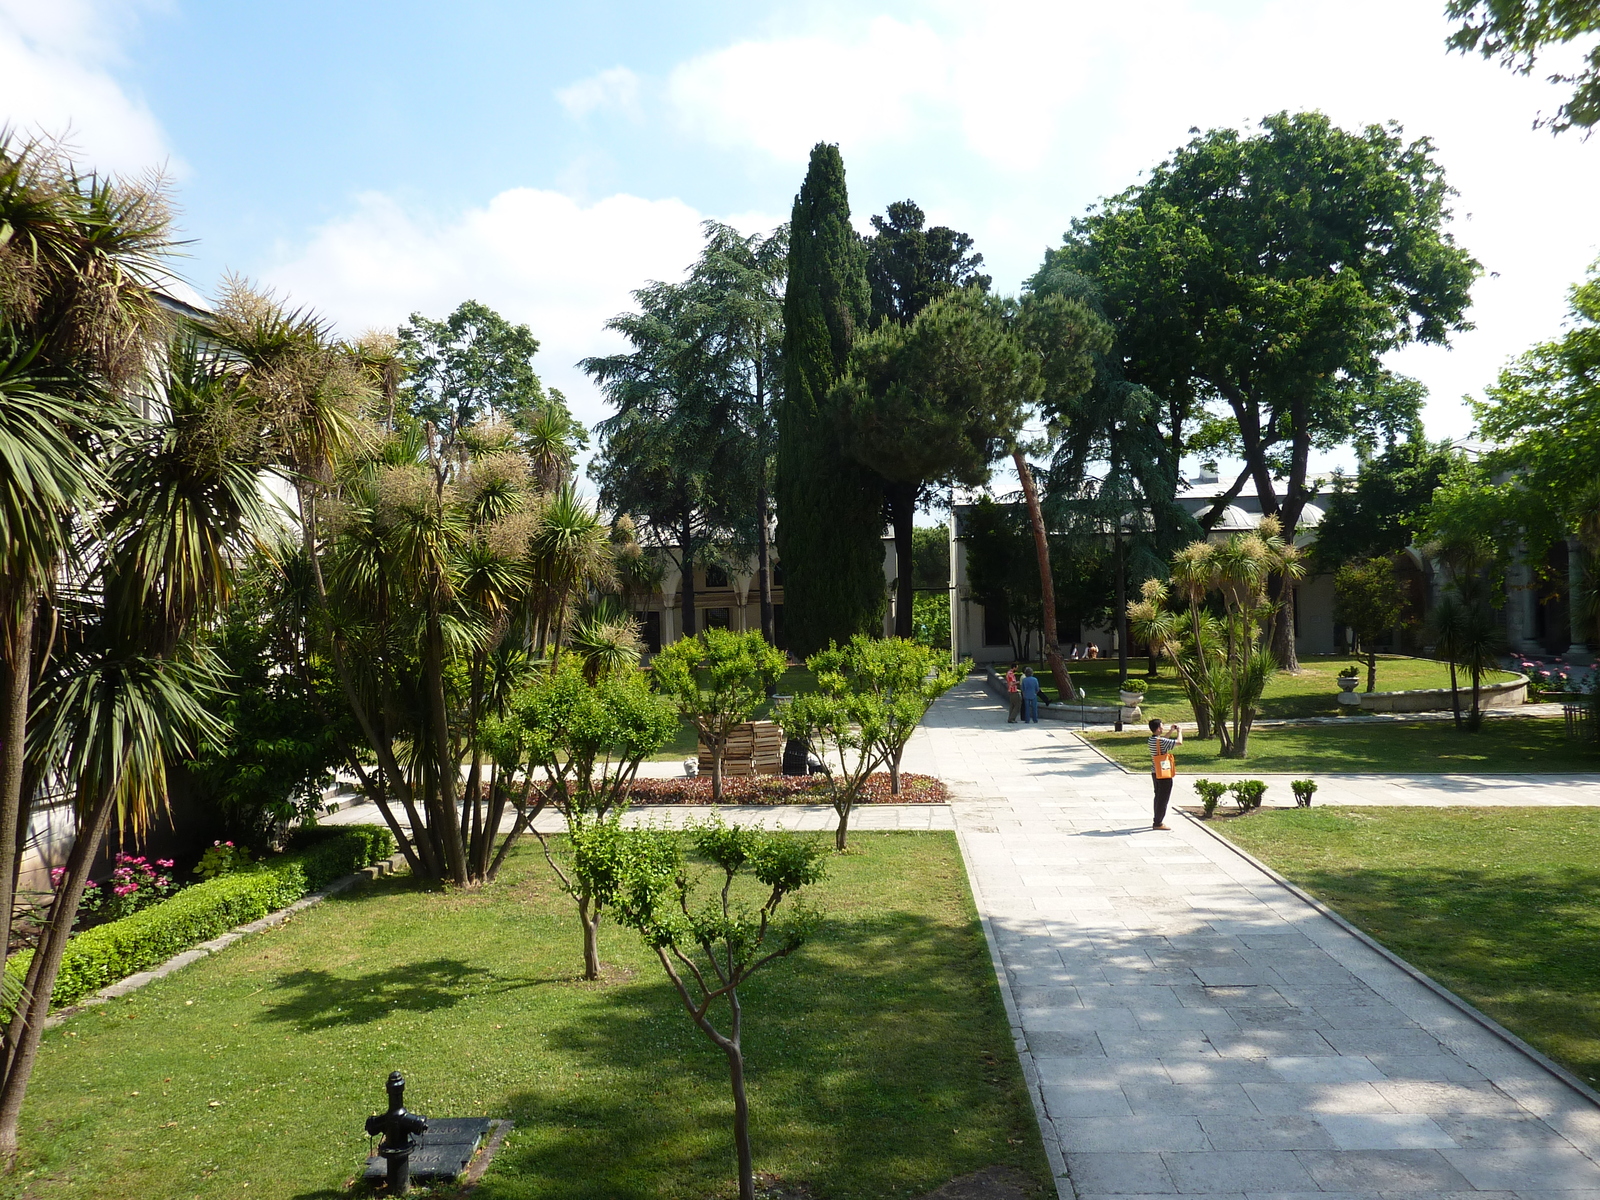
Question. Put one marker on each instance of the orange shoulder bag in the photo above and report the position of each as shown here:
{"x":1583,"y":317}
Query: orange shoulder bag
{"x":1165,"y":765}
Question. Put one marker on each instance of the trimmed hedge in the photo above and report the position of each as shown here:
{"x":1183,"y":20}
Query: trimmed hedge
{"x":100,"y":956}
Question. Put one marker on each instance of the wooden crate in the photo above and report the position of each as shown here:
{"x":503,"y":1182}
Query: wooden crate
{"x":754,"y":748}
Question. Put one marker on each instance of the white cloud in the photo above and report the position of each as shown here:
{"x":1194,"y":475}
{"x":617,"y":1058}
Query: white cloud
{"x":784,"y":95}
{"x":616,"y":88}
{"x":56,"y":60}
{"x":538,"y":257}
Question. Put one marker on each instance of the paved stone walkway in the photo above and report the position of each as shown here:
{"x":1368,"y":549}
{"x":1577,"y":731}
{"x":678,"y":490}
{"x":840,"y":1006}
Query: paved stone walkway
{"x":1190,"y":1027}
{"x":1428,"y":791}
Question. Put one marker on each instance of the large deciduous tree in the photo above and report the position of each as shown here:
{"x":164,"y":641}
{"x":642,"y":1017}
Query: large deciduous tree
{"x":688,"y":453}
{"x":1517,"y":32}
{"x":830,"y":508}
{"x":931,"y":403}
{"x":908,"y":268}
{"x":1266,"y":275}
{"x":476,"y":366}
{"x":1543,"y":415}
{"x":1379,"y":510}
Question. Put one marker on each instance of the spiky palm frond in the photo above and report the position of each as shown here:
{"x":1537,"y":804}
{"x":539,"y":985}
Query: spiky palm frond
{"x":110,"y":717}
{"x":190,"y":502}
{"x":48,"y":465}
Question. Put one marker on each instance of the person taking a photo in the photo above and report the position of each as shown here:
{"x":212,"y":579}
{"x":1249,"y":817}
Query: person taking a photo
{"x":1163,"y":767}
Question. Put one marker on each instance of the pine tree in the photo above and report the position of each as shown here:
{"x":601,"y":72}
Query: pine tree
{"x":830,"y":508}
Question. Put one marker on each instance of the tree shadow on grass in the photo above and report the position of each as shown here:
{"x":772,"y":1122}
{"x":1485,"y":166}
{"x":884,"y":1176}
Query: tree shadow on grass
{"x":866,"y":1054}
{"x":1522,"y":945}
{"x":315,"y":1000}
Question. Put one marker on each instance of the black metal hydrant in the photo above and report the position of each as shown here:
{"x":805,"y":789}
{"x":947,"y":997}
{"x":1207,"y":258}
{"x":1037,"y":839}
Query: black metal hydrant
{"x":399,"y":1130}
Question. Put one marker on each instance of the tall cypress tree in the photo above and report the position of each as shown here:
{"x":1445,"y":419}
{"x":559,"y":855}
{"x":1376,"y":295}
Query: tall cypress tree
{"x":830,"y":508}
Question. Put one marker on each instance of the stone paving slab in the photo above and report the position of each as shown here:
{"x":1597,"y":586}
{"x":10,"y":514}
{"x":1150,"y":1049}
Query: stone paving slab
{"x":1189,"y":1026}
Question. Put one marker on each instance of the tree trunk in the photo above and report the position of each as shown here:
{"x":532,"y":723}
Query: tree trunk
{"x":27,"y":1025}
{"x":894,"y":771}
{"x":840,"y":833}
{"x":1455,"y":696}
{"x":16,"y":676}
{"x":591,"y":938}
{"x":1283,"y":641}
{"x":1121,"y":621}
{"x":902,"y":499}
{"x":1372,"y":670}
{"x":717,"y":746}
{"x":741,"y":1104}
{"x":455,"y":854}
{"x":1475,"y":720}
{"x":1047,"y":588}
{"x":764,"y":553}
{"x":686,"y":570}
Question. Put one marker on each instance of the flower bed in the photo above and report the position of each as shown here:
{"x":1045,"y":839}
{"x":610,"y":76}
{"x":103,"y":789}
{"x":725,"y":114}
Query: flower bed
{"x":106,"y":953}
{"x":784,"y":789}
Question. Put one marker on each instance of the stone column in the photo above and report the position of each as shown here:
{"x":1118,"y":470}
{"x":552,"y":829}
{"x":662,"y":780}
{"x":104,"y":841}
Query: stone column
{"x":1578,"y":653}
{"x":1520,"y":599}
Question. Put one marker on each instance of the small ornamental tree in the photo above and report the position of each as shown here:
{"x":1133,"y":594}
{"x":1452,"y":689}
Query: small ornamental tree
{"x":718,"y":679}
{"x":906,"y":677}
{"x":1369,"y":597}
{"x":588,"y":740}
{"x":709,"y":948}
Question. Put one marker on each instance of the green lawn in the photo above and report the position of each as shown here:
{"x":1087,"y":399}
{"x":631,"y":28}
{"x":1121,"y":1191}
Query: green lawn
{"x":879,"y":1058}
{"x":792,"y":682}
{"x":1522,"y":745}
{"x":1312,"y":693}
{"x":1501,"y":905}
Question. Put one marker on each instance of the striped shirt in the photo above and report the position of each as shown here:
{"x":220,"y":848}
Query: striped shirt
{"x":1161,"y":745}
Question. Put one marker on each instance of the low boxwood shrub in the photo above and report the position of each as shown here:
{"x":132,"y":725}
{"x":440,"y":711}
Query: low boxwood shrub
{"x":1134,"y":685}
{"x":1303,"y":790}
{"x":1210,"y":791}
{"x":1247,"y":793}
{"x":102,"y":955}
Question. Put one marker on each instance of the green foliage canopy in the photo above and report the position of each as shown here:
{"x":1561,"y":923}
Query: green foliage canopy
{"x":1518,"y":31}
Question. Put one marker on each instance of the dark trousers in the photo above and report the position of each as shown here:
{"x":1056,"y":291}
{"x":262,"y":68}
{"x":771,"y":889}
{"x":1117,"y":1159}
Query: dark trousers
{"x":1163,"y":795}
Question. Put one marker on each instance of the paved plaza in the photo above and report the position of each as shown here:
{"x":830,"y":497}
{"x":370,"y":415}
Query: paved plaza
{"x":1190,"y":1027}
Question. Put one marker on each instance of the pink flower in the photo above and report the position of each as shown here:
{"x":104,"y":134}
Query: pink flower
{"x":126,"y":889}
{"x":164,"y":863}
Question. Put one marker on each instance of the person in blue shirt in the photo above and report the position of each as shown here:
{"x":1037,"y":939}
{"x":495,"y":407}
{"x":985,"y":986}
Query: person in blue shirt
{"x":1030,"y":697}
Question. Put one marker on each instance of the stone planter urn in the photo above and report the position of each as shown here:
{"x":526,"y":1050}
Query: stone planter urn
{"x":1130,"y":705}
{"x":1347,"y":683}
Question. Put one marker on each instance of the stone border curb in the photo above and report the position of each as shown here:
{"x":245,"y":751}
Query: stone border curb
{"x":1065,"y":1188}
{"x":473,"y":1175}
{"x":134,"y":982}
{"x":1422,"y":977}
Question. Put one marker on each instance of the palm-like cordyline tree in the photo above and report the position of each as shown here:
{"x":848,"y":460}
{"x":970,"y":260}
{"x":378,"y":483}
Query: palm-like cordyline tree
{"x":80,"y":322}
{"x":124,"y":694}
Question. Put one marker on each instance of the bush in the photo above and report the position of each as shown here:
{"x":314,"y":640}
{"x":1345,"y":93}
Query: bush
{"x":1303,"y":790}
{"x":1350,"y":672}
{"x":1247,"y":793}
{"x":102,"y":955}
{"x":1210,"y":792}
{"x":1134,"y":685}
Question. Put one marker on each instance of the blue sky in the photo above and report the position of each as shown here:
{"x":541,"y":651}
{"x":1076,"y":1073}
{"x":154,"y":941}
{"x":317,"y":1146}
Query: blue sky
{"x":373,"y":159}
